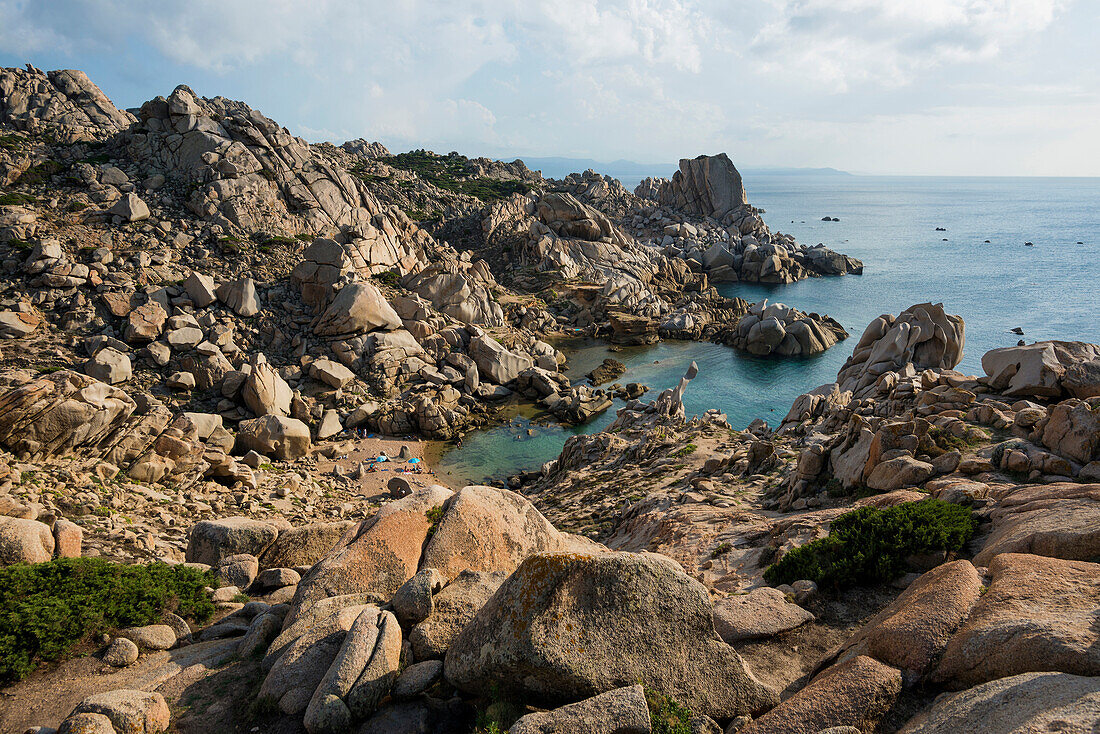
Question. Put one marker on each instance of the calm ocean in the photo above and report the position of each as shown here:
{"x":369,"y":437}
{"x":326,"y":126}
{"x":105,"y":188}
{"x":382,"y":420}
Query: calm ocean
{"x":979,"y":268}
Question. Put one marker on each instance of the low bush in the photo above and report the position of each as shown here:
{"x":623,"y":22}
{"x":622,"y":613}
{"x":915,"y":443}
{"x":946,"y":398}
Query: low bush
{"x":47,"y":608}
{"x":40,"y":173}
{"x":434,"y":516}
{"x":871,"y":545}
{"x":449,"y":172}
{"x":16,"y":199}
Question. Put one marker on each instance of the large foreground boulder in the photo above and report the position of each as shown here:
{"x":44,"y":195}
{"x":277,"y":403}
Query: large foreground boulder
{"x":762,"y":612}
{"x":489,"y":529}
{"x":567,"y":626}
{"x":303,"y":545}
{"x":24,"y":541}
{"x":1060,"y":520}
{"x":360,"y":675}
{"x":379,"y":554}
{"x":856,"y":693}
{"x":301,"y":663}
{"x":914,"y":629}
{"x":129,"y":711}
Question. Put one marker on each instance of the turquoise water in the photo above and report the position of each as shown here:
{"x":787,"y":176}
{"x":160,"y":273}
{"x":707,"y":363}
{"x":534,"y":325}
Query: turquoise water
{"x":1051,"y":290}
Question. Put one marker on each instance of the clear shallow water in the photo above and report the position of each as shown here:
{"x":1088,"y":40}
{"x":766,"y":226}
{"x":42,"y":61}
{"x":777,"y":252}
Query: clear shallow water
{"x":1051,"y":290}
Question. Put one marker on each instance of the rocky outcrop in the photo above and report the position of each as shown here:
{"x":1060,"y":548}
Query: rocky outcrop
{"x":776,"y":329}
{"x":707,"y":186}
{"x":64,"y":102}
{"x":460,"y":289}
{"x":365,"y":148}
{"x":1044,"y":370}
{"x":357,"y":308}
{"x":924,"y":336}
{"x":567,"y":217}
{"x":251,"y":173}
{"x":65,"y":412}
{"x":568,"y":626}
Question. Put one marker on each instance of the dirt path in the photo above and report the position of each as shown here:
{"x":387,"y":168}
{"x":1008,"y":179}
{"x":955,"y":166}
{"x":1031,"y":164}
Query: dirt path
{"x":49,"y":695}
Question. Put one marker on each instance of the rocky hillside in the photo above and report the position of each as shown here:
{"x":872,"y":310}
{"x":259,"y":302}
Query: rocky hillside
{"x":224,"y":352}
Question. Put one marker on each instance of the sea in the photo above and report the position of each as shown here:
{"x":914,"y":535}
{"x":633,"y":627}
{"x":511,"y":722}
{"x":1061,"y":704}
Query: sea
{"x":1002,"y":253}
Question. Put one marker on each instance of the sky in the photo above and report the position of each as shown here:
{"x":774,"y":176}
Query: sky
{"x":935,"y":87}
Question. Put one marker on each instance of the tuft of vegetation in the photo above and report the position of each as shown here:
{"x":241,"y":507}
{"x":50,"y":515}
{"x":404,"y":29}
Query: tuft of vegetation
{"x":939,"y":441}
{"x":720,"y":550}
{"x":871,"y":545}
{"x":48,"y":608}
{"x":388,"y":277}
{"x":685,"y":451}
{"x":41,"y":173}
{"x":16,"y":199}
{"x":434,"y":515}
{"x":449,"y":172}
{"x":666,"y":714}
{"x":11,"y":143}
{"x":498,"y":714}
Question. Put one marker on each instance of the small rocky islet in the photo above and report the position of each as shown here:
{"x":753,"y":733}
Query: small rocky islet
{"x":227,"y":352}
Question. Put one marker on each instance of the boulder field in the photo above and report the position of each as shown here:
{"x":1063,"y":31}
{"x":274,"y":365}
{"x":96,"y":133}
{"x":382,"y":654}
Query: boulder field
{"x":212,"y":333}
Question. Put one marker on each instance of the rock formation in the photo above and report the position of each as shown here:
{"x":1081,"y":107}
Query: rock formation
{"x":707,"y":186}
{"x":776,"y":329}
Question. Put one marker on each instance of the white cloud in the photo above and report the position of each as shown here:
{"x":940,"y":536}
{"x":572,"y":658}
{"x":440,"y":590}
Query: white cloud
{"x":790,"y":82}
{"x":842,"y":43}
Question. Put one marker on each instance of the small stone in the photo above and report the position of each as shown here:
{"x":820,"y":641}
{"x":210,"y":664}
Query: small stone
{"x":151,"y":637}
{"x":120,"y":653}
{"x":181,"y":381}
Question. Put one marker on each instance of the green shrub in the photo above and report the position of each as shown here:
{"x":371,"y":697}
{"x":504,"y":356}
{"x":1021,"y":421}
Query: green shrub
{"x":870,"y":545}
{"x":667,"y":715}
{"x":47,"y":608}
{"x":434,"y":515}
